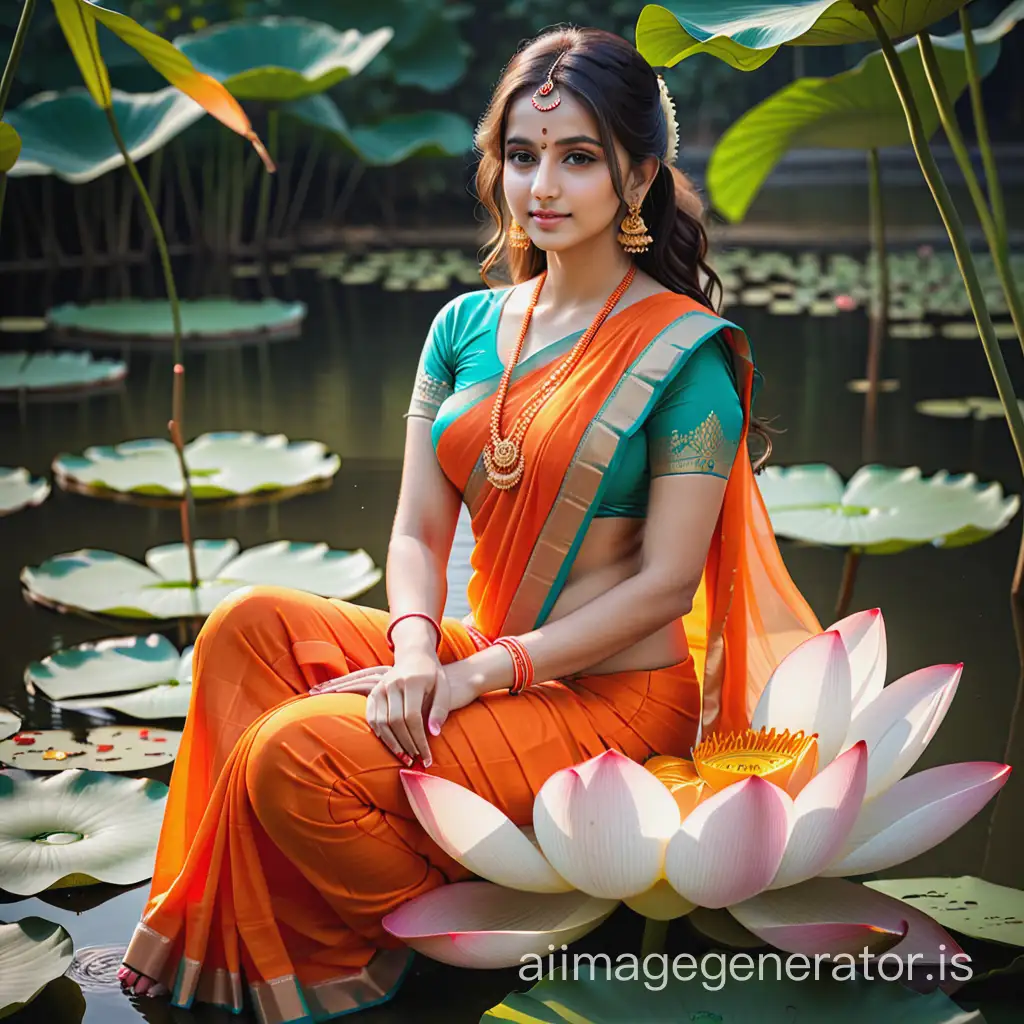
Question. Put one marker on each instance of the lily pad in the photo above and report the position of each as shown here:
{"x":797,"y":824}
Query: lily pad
{"x":201,"y":320}
{"x":10,"y":723}
{"x":974,"y":407}
{"x":223,"y":465}
{"x":280,"y":59}
{"x":77,"y":828}
{"x":19,"y":489}
{"x":32,"y":953}
{"x":883,"y":510}
{"x":860,"y":386}
{"x":22,"y":324}
{"x":966,"y":904}
{"x":47,"y":373}
{"x":67,"y":134}
{"x":632,"y":995}
{"x":109,"y":748}
{"x":105,"y":583}
{"x":141,"y":676}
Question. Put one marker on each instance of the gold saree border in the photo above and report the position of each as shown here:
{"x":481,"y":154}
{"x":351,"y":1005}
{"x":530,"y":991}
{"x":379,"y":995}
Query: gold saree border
{"x":559,"y":539}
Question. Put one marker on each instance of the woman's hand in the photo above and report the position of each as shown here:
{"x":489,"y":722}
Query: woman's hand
{"x":399,"y":696}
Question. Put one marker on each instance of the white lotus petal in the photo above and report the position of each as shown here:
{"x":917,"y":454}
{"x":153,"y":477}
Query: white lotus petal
{"x":10,"y":723}
{"x":75,"y":828}
{"x":731,"y":845}
{"x":660,"y":903}
{"x":863,"y":635}
{"x":900,"y":721}
{"x":919,"y":812}
{"x":823,"y":815}
{"x":19,"y":489}
{"x":57,"y":371}
{"x":476,"y":834}
{"x":603,"y":825}
{"x":810,"y":691}
{"x":131,"y":748}
{"x":100,"y":581}
{"x":832,"y":915}
{"x":477,"y":924}
{"x":32,"y":953}
{"x":167,"y":701}
{"x":223,"y":464}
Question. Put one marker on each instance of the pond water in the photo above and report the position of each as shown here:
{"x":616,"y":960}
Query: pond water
{"x":346,"y":382}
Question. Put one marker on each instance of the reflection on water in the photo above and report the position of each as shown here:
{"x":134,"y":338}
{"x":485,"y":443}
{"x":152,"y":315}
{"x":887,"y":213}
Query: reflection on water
{"x":346,"y":382}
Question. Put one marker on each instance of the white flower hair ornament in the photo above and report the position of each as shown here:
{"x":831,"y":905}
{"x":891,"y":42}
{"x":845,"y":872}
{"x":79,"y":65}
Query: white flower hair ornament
{"x":668,"y":108}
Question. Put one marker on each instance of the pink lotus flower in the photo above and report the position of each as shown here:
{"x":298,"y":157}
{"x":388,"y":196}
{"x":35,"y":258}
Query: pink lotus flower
{"x":845,"y":303}
{"x":763,"y":823}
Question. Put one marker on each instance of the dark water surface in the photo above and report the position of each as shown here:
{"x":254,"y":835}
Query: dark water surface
{"x":346,"y":382}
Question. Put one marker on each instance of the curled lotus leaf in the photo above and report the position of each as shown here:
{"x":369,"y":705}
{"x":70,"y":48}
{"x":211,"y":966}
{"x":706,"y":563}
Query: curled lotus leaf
{"x":66,"y":134}
{"x":883,"y":510}
{"x":57,"y":371}
{"x":109,"y":748}
{"x":77,"y":828}
{"x":280,"y":59}
{"x":141,"y":676}
{"x":33,"y":952}
{"x":105,"y":583}
{"x":19,"y":489}
{"x":226,"y":464}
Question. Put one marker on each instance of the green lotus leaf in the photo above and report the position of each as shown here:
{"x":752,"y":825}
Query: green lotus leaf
{"x":428,"y":133}
{"x":280,"y":59}
{"x":10,"y":146}
{"x":109,"y":748}
{"x":225,"y":464}
{"x":57,"y":372}
{"x":434,"y":61}
{"x":745,"y":34}
{"x":140,"y":676}
{"x":857,"y":109}
{"x":19,"y":489}
{"x":32,"y":953}
{"x":102,"y":582}
{"x":205,"y":319}
{"x":966,"y":904}
{"x":597,"y":996}
{"x":77,"y":828}
{"x":881,"y":510}
{"x":67,"y":134}
{"x":974,"y":407}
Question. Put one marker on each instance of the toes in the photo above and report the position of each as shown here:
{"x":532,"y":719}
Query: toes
{"x":143,"y":986}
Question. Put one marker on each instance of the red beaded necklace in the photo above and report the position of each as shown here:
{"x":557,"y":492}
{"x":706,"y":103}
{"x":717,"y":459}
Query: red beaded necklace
{"x":503,"y":457}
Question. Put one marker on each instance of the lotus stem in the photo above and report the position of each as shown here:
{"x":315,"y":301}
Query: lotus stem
{"x":263,"y":209}
{"x":947,"y":115}
{"x":187,"y":192}
{"x":995,"y":191}
{"x":11,"y":67}
{"x":654,"y":937}
{"x":305,"y":180}
{"x":850,"y":566}
{"x":955,"y":229}
{"x":177,"y":392}
{"x":284,"y":182}
{"x":879,"y":322}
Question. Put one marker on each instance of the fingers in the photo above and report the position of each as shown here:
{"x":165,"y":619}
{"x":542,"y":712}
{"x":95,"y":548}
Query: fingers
{"x":440,"y":705}
{"x":397,"y":720}
{"x":363,"y":686}
{"x":377,"y":718}
{"x":413,"y":708}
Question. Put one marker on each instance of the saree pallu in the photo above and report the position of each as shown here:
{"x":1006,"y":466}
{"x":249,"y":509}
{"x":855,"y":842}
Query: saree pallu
{"x":287,"y":834}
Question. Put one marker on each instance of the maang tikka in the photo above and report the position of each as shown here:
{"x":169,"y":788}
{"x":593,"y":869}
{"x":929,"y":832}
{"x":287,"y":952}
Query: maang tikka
{"x":547,"y":96}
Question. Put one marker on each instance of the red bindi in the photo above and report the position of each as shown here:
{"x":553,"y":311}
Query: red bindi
{"x":543,"y":131}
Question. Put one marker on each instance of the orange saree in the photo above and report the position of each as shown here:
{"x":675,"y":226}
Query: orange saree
{"x":287,"y":834}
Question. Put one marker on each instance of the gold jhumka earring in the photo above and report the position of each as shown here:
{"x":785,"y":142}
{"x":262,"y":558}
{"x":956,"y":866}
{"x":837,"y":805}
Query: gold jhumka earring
{"x":517,"y":236}
{"x":633,"y":236}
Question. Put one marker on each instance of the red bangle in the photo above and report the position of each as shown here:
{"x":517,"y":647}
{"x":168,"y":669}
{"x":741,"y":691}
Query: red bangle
{"x":521,"y":661}
{"x":479,"y":640}
{"x":413,"y":615}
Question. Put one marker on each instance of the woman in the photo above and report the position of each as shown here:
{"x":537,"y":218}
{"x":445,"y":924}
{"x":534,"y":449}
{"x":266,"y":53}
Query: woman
{"x":626,"y":584}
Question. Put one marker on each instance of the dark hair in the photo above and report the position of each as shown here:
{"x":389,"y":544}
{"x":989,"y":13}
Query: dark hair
{"x":610,"y":77}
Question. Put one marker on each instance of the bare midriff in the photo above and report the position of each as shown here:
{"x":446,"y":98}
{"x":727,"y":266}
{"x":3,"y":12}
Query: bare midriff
{"x":611,"y":553}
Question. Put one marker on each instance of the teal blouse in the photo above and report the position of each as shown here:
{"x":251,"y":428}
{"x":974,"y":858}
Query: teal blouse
{"x":694,"y":427}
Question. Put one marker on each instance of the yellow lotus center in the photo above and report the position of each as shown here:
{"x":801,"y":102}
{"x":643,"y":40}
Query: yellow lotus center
{"x":788,"y":760}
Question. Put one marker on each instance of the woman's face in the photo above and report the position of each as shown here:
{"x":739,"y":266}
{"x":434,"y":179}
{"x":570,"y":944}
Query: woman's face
{"x":556,"y":177}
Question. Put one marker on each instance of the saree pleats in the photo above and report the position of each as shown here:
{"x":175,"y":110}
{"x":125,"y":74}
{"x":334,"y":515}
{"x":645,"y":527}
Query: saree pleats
{"x":289,"y":835}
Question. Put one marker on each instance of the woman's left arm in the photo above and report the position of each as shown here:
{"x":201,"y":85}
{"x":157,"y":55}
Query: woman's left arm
{"x":681,"y":517}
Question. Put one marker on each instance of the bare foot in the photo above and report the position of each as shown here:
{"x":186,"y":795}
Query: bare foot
{"x":139,"y":985}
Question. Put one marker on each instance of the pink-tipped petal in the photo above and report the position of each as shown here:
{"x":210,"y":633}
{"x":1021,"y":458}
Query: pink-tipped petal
{"x":822,"y":817}
{"x":863,"y":635}
{"x":730,"y":846}
{"x":810,"y":690}
{"x":603,"y":825}
{"x":477,"y":924}
{"x":832,"y":915}
{"x":919,"y":812}
{"x":899,"y":722}
{"x":478,"y":835}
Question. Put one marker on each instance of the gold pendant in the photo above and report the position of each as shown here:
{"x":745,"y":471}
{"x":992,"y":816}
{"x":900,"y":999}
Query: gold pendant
{"x":505,"y":466}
